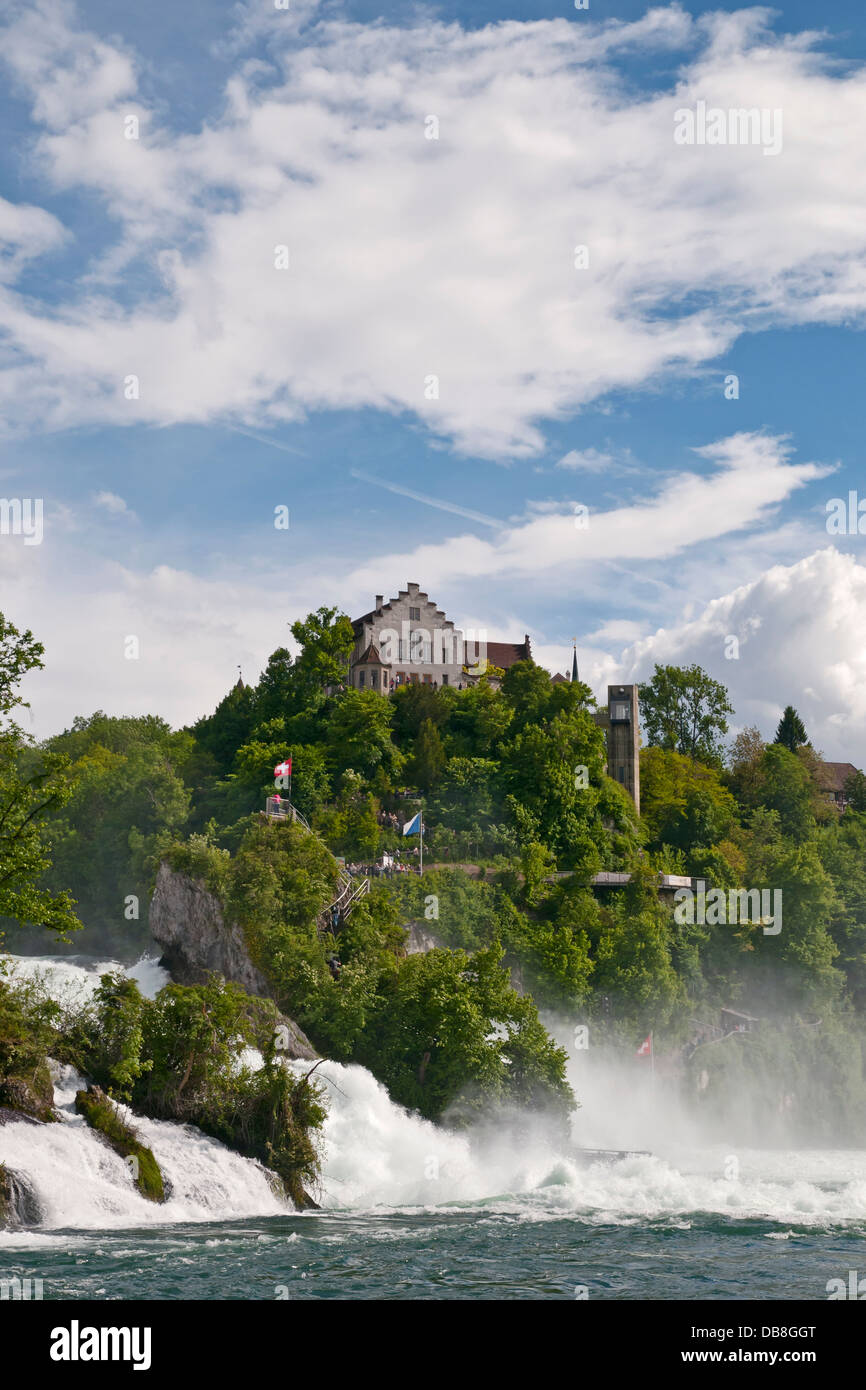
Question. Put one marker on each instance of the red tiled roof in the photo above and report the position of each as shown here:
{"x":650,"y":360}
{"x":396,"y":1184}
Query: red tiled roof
{"x":505,"y":654}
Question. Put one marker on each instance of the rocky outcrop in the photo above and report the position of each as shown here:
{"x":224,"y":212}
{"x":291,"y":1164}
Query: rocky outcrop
{"x":104,"y":1117}
{"x":19,"y":1206}
{"x":31,"y":1094}
{"x":188,"y":924}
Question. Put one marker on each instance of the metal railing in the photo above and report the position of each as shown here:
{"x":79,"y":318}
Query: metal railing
{"x":350,"y":890}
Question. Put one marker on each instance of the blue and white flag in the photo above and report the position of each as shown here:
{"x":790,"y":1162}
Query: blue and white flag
{"x":413,"y":826}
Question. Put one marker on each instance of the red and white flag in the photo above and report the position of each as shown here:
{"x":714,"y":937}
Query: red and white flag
{"x":646,"y":1047}
{"x":283,"y":769}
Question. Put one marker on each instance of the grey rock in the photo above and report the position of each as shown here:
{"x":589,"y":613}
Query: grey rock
{"x":188,"y":924}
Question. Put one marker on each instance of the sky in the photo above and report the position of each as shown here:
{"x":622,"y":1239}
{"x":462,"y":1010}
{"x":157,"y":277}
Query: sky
{"x":482,"y":297}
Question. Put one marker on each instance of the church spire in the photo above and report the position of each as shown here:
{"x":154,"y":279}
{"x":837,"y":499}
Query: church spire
{"x":574,"y":662}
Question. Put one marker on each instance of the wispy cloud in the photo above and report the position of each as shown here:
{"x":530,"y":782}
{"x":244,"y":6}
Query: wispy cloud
{"x":428,"y":501}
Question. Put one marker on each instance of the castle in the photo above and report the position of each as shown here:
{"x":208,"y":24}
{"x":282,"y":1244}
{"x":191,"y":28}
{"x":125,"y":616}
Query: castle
{"x":410,"y":640}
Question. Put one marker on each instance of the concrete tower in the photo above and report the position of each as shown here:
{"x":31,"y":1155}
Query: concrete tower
{"x":620,"y":723}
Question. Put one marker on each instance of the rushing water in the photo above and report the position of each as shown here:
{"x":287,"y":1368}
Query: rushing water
{"x":412,"y":1211}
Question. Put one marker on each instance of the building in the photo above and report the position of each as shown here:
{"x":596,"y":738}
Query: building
{"x":409,"y":639}
{"x":832,"y":778}
{"x":619,"y":720}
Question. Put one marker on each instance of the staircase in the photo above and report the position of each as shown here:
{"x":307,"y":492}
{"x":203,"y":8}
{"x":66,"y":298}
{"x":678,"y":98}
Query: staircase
{"x":349,"y":890}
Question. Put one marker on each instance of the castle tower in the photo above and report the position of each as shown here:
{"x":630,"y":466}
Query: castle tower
{"x":622,"y":730}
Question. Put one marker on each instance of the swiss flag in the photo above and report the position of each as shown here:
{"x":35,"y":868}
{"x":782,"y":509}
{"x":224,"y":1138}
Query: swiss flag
{"x":283,"y":769}
{"x":646,"y":1047}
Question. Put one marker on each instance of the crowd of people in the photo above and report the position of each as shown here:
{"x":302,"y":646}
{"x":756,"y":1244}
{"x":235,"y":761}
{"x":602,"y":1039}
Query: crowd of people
{"x":387,"y":866}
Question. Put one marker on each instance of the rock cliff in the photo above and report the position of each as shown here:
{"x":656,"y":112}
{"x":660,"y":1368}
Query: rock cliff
{"x":188,"y":924}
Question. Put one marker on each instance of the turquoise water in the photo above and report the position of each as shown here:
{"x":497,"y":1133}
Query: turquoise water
{"x":462,"y":1255}
{"x":414,"y":1211}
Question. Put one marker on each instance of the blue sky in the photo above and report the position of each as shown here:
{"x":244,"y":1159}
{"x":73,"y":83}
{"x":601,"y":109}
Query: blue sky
{"x":408,"y":256}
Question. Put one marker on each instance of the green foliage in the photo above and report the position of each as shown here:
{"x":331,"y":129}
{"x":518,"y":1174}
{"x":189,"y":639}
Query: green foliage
{"x":450,"y":1036}
{"x":633,"y":951}
{"x":128,"y":801}
{"x":783,"y":784}
{"x":326,"y":639}
{"x":791,"y":732}
{"x":176,"y":1057}
{"x":26,"y":1035}
{"x":428,"y":761}
{"x":103,"y":1116}
{"x":684,"y":709}
{"x":683,"y":803}
{"x":31,"y":787}
{"x":359,"y":734}
{"x":231,"y":724}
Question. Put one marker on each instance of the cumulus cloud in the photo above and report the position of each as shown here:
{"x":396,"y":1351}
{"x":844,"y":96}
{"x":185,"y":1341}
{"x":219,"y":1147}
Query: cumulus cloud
{"x":801,"y":635}
{"x":411,"y":258}
{"x":194,"y":629}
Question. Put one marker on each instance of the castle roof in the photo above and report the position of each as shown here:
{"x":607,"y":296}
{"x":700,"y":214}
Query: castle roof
{"x":505,"y":654}
{"x":371,"y":657}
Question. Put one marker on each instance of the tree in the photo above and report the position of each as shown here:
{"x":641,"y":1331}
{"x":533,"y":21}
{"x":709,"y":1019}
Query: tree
{"x":31,"y":785}
{"x":855,"y":791}
{"x":326,"y":639}
{"x":784,"y":784}
{"x":274,"y":692}
{"x":426,"y":766}
{"x":791,"y":731}
{"x":230,"y":725}
{"x":527,"y":689}
{"x":450,"y":1034}
{"x":684,"y":709}
{"x":128,"y":799}
{"x":683,"y":802}
{"x":359,"y":734}
{"x":744,"y":761}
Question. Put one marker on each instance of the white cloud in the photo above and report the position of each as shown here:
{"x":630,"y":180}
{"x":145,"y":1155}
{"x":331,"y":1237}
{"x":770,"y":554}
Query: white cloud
{"x":25,"y":233}
{"x":195,"y":629}
{"x":802,"y":640}
{"x":453,"y":257}
{"x":752,"y":477}
{"x":586,"y":461}
{"x":111,"y":503}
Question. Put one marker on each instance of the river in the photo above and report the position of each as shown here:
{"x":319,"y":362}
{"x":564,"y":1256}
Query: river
{"x":410,"y":1211}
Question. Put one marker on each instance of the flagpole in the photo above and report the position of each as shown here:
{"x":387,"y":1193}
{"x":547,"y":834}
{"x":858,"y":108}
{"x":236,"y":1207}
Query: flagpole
{"x":421,"y":824}
{"x":652,"y":1059}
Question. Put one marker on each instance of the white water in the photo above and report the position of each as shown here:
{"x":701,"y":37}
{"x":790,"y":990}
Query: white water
{"x":80,"y":1182}
{"x":377,"y":1156}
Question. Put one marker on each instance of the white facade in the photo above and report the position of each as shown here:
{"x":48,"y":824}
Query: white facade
{"x":413,"y":640}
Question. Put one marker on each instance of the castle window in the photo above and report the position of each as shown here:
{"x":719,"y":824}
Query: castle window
{"x":444,"y":677}
{"x":421,"y":648}
{"x":360,"y":677}
{"x":414,"y":615}
{"x":622,"y":774}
